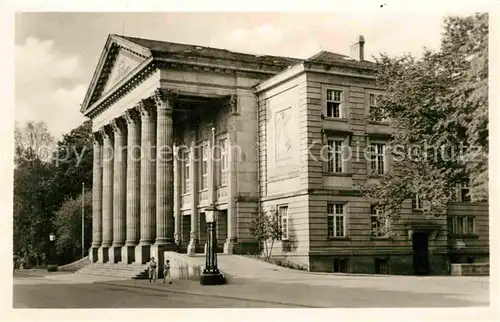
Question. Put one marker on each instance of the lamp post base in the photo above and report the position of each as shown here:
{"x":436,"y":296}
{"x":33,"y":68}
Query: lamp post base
{"x":212,"y":279}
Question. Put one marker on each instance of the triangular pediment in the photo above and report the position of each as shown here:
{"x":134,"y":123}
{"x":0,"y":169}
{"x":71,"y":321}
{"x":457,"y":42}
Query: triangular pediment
{"x":119,"y":58}
{"x":124,"y":63}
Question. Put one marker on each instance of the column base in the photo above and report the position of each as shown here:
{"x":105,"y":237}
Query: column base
{"x":115,"y":254}
{"x":103,"y":254}
{"x":142,"y":253}
{"x":230,"y":247}
{"x":212,"y":278}
{"x":93,"y":254}
{"x":128,"y":254}
{"x":191,"y":249}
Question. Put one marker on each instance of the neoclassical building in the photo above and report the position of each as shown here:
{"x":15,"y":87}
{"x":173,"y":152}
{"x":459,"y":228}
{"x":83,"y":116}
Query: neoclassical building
{"x":179,"y":128}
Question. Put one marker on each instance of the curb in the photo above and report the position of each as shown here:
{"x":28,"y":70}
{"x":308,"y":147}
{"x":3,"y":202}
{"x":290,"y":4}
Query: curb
{"x":209,"y":295}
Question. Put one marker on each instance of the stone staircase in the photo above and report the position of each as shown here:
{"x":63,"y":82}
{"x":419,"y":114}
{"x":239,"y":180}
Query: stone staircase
{"x":126,"y":271}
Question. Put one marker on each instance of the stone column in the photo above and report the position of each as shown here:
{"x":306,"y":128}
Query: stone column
{"x":107,"y":193}
{"x":148,"y":180}
{"x":193,"y":241}
{"x":96,"y":199}
{"x":119,"y":189}
{"x":230,"y":245}
{"x":177,"y":197}
{"x":133,"y":184}
{"x":164,"y":175}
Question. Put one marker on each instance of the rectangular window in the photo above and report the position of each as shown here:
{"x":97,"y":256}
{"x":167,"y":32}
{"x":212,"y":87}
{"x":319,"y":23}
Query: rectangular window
{"x":450,"y":222}
{"x":379,"y":224}
{"x":375,"y":114}
{"x":186,"y":164}
{"x":334,"y":103}
{"x":377,"y":158}
{"x":465,"y":191}
{"x":336,"y":220}
{"x":417,"y":203}
{"x":461,"y":225}
{"x":223,"y":162}
{"x":204,"y":166}
{"x":283,"y":216}
{"x":335,"y":156}
{"x":470,"y":225}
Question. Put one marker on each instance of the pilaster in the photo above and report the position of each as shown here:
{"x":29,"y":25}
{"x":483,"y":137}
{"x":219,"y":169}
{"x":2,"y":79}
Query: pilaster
{"x":232,"y":140}
{"x":177,"y":197}
{"x":193,"y":241}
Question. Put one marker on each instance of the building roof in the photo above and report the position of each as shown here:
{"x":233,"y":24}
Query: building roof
{"x":169,"y":48}
{"x":155,"y":49}
{"x":327,"y":57}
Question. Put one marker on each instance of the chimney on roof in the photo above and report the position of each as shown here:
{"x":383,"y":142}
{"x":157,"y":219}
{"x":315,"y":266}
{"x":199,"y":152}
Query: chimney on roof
{"x":358,"y":49}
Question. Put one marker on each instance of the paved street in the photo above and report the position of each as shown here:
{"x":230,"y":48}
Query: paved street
{"x":38,"y":292}
{"x":71,"y":291}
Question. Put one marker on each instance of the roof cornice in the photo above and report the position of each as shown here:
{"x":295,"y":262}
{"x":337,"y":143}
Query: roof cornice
{"x":131,"y":80}
{"x":111,"y":42}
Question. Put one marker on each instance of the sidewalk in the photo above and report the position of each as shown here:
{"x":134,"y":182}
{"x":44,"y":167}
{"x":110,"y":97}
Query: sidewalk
{"x":314,"y":296}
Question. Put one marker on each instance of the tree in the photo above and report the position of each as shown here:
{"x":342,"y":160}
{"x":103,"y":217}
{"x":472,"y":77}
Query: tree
{"x":68,"y":227}
{"x":439,"y":107}
{"x":73,"y":164}
{"x":32,"y":212}
{"x":32,"y":208}
{"x":33,"y":141}
{"x":265,"y":228}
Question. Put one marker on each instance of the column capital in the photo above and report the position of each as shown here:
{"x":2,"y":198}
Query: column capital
{"x":97,"y":137}
{"x":164,"y":98}
{"x":118,"y":126}
{"x":231,"y":105}
{"x":146,"y":107}
{"x":131,"y":116}
{"x":106,"y":132}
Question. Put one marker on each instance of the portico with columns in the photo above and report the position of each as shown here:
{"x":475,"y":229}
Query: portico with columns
{"x":172,"y":136}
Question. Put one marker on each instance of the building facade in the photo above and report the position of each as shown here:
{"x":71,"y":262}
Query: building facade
{"x":179,"y":128}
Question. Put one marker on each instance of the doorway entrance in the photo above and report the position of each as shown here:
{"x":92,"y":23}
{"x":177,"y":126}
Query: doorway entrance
{"x":421,"y":253}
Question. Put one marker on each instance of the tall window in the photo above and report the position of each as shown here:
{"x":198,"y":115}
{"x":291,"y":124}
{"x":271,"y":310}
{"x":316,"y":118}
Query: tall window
{"x":186,"y":164}
{"x":334,"y":103}
{"x":204,"y":166}
{"x":417,"y":203}
{"x":379,"y":225}
{"x":336,"y":220}
{"x":461,"y":225}
{"x":283,"y":216}
{"x":377,"y":158}
{"x":465,"y":191}
{"x":223,"y":162}
{"x":335,"y":156}
{"x":375,"y":113}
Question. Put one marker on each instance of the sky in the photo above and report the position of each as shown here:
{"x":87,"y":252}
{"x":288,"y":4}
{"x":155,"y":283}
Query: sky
{"x":56,"y":53}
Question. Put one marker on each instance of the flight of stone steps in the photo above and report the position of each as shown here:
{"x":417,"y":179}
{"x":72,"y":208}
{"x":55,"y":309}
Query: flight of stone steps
{"x":136,"y":271}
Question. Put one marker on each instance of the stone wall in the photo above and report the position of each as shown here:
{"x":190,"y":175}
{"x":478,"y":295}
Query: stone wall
{"x":480,"y":269}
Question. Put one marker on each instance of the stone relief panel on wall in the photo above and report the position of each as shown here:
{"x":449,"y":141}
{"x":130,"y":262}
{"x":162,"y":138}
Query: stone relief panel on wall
{"x":283,"y":127}
{"x":123,"y":65}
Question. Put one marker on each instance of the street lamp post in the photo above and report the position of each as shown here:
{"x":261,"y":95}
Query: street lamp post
{"x":211,"y":274}
{"x":52,"y":237}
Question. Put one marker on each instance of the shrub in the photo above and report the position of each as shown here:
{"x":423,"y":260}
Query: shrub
{"x":52,"y":268}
